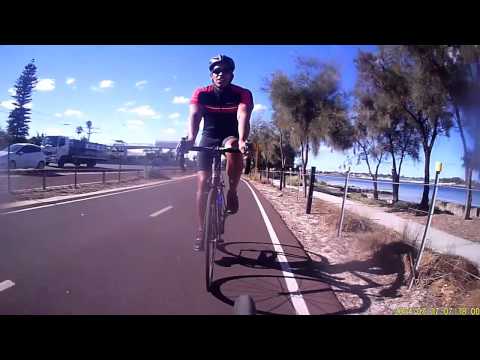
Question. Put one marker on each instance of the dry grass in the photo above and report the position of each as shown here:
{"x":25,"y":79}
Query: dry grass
{"x":450,"y":280}
{"x":354,"y":223}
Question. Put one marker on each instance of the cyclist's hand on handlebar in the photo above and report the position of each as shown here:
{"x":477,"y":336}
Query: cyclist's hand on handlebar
{"x":184,"y":146}
{"x":244,"y":147}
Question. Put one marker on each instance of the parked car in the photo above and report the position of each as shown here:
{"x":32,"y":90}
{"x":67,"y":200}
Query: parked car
{"x":22,"y":156}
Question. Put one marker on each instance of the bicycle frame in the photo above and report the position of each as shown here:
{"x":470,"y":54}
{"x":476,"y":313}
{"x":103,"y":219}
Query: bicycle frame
{"x":215,"y":213}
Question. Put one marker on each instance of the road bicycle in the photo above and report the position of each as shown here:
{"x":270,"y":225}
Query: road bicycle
{"x":215,"y":213}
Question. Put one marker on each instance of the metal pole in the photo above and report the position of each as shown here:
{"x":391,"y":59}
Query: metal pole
{"x":103,"y":177}
{"x":310,"y":190}
{"x":44,"y":180}
{"x":281,"y":179}
{"x":299,"y":181}
{"x":268,"y":176}
{"x":75,"y":176}
{"x":304,"y":178}
{"x":8,"y":171}
{"x":119,"y":168}
{"x":427,"y":227}
{"x":345,"y":191}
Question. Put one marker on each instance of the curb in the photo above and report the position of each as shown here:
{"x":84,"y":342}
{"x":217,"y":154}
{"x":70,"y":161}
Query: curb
{"x":58,"y":199}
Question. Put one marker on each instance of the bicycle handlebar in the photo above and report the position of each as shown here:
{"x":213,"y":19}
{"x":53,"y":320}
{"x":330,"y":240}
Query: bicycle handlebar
{"x":218,"y":149}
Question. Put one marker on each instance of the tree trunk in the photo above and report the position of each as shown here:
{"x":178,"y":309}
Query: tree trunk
{"x":282,"y":155}
{"x":468,"y":205}
{"x":395,"y":174}
{"x":395,"y":185}
{"x":375,"y":186}
{"x":426,"y":180}
{"x":305,"y":171}
{"x":468,"y":169}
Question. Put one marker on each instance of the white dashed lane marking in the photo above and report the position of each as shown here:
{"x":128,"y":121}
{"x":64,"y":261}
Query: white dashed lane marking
{"x":4,"y":285}
{"x":161,"y":211}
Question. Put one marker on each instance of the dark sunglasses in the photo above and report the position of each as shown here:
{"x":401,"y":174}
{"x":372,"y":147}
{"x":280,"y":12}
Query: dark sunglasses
{"x":221,"y":70}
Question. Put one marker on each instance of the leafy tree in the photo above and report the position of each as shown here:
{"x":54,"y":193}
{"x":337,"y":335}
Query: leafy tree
{"x":37,"y":140}
{"x":313,"y":106}
{"x":4,"y":138}
{"x":386,"y":126}
{"x":89,"y":127}
{"x":20,"y":116}
{"x":369,"y":147}
{"x":420,"y":95}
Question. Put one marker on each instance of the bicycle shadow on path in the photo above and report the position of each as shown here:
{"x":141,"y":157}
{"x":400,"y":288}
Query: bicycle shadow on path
{"x":314,"y":277}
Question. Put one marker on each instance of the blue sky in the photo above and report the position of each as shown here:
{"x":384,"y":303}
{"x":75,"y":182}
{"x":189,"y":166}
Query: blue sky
{"x":140,"y":94}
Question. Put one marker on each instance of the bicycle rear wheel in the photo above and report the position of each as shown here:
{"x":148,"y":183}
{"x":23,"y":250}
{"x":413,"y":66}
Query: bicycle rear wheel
{"x":210,"y":236}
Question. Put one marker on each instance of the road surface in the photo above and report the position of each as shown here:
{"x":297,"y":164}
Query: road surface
{"x":131,"y":253}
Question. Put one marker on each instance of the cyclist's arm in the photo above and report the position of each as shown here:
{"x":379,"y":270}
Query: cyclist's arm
{"x":245,"y":108}
{"x":194,"y":118}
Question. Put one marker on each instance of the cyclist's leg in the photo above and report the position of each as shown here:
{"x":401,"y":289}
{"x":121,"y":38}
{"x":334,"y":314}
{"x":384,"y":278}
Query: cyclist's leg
{"x":203,"y":178}
{"x":204,"y":172}
{"x":234,"y":172}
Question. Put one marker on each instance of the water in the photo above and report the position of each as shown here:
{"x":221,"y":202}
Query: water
{"x":407,"y":192}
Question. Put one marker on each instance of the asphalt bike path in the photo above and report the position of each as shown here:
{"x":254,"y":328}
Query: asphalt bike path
{"x":131,"y":253}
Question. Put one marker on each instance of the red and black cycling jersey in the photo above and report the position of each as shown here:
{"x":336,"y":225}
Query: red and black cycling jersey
{"x":220,"y":109}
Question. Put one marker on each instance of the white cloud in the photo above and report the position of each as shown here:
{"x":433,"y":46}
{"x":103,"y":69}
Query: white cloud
{"x":7,"y":104}
{"x":11,"y":91}
{"x":141,"y":84}
{"x":180,"y":122}
{"x":167,"y":89}
{"x":144,"y":110}
{"x":70,"y":81}
{"x":55,"y":131}
{"x":104,"y":84}
{"x":174,"y":116}
{"x":135,"y":122}
{"x":129,"y":103}
{"x":180,"y":100}
{"x":168,"y":131}
{"x":45,"y":85}
{"x":70,"y":113}
{"x":259,"y":107}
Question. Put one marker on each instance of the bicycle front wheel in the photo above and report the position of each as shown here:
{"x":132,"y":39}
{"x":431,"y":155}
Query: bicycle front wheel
{"x":210,"y":236}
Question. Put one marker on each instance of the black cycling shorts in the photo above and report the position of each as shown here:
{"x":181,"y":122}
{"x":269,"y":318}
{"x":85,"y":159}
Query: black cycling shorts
{"x":204,"y":159}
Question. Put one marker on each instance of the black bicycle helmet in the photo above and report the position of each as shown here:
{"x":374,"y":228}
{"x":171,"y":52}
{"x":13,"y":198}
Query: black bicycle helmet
{"x":221,"y":59}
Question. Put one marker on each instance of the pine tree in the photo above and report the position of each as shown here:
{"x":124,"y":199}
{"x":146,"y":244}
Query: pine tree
{"x":20,"y":116}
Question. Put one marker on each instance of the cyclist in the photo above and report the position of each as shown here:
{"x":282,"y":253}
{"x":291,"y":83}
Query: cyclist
{"x":226,"y":109}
